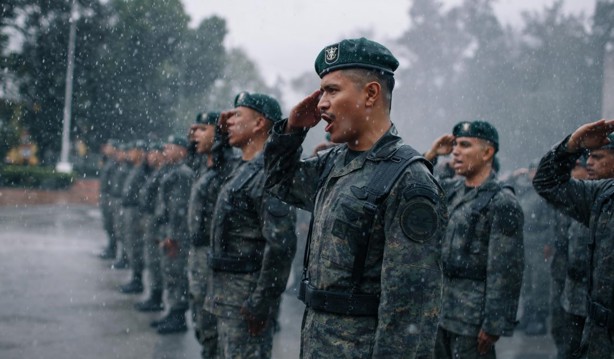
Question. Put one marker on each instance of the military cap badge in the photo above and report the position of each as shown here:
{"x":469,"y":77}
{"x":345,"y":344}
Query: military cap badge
{"x":332,"y":54}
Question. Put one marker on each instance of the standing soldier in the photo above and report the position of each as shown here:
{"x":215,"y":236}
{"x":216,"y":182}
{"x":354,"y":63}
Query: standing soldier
{"x":117,"y":186}
{"x":106,"y":173}
{"x":539,"y":219}
{"x":371,"y":277}
{"x":174,"y":195}
{"x":591,"y":203}
{"x":482,"y":252}
{"x":220,"y":161}
{"x":152,"y":237}
{"x":133,"y":219}
{"x":252,"y":238}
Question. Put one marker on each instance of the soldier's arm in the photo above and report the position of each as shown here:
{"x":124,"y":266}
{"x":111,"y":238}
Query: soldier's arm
{"x":505,"y":265}
{"x":177,"y":228}
{"x":287,"y":176}
{"x":279,"y":221}
{"x":411,"y":278}
{"x":553,"y":182}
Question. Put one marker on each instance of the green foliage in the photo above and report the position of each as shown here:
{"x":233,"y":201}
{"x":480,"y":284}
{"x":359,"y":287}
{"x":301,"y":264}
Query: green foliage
{"x":9,"y":132}
{"x":34,"y":177}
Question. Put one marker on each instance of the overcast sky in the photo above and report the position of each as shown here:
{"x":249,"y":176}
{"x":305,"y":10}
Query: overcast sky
{"x":284,"y":36}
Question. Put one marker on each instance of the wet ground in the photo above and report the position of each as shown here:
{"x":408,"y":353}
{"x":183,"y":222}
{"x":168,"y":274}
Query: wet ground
{"x":58,"y":300}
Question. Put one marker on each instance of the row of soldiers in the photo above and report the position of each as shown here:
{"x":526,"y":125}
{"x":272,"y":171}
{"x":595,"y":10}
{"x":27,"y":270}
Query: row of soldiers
{"x":398,"y":262}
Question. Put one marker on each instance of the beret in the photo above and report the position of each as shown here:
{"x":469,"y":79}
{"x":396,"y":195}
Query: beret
{"x":478,"y":129}
{"x":207,"y":118}
{"x":266,"y":105}
{"x":355,"y":53}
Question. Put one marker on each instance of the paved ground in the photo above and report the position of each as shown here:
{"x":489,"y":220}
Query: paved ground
{"x":57,"y":300}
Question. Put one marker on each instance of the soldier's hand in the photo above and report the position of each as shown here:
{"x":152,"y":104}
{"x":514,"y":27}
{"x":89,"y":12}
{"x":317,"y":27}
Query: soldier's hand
{"x":442,"y":146}
{"x":304,"y":115}
{"x":486,"y":341}
{"x":255,"y":325}
{"x":170,"y":247}
{"x":590,"y":136}
{"x":223,"y":120}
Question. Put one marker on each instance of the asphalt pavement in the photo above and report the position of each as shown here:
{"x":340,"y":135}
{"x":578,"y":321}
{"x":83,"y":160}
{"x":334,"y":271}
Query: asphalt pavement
{"x":58,"y":300}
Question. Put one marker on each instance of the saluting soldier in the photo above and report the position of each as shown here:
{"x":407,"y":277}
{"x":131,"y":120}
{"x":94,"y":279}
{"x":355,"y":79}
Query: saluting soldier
{"x":253,"y":238}
{"x":371,"y":278}
{"x":483,"y":255}
{"x":591,"y":203}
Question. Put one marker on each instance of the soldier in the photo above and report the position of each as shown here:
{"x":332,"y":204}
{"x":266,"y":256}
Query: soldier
{"x":152,"y":236}
{"x":539,"y":219}
{"x":591,"y":203}
{"x":483,"y":248}
{"x":220,"y":161}
{"x":117,"y":185}
{"x":133,"y":219}
{"x":570,"y":279}
{"x":174,"y":195}
{"x":106,"y":173}
{"x":371,"y":278}
{"x":252,"y":238}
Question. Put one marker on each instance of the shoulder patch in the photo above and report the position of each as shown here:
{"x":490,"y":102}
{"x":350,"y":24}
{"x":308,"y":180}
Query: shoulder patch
{"x":419,"y":220}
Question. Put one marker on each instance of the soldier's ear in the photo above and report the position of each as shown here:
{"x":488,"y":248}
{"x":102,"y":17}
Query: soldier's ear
{"x":261,"y":124}
{"x":373,"y":91}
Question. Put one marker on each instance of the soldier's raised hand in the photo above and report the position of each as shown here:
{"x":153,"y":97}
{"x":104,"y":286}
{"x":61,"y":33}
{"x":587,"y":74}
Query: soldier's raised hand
{"x":590,"y":136}
{"x":223,"y":120}
{"x":442,"y":146}
{"x":304,"y":115}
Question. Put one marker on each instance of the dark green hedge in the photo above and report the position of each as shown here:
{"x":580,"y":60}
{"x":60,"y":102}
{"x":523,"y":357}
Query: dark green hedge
{"x":34,"y":177}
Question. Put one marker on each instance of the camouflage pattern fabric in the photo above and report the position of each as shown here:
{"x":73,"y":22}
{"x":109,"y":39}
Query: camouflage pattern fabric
{"x":402,"y":264}
{"x":577,"y":198}
{"x":454,"y":346}
{"x":483,"y":261}
{"x":133,"y":220}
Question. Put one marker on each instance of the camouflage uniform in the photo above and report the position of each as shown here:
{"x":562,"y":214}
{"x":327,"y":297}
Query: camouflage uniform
{"x":578,"y":199}
{"x":148,"y":203}
{"x":106,"y":174}
{"x":538,"y":232}
{"x":401,"y":270}
{"x":559,"y":325}
{"x":133,"y":219}
{"x":200,"y":214}
{"x":253,"y":244}
{"x":117,"y":185}
{"x":174,"y":194}
{"x":483,"y":262}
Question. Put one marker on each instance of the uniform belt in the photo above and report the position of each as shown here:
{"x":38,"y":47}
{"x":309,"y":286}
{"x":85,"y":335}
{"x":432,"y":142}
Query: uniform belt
{"x":357,"y":305}
{"x":600,"y":315}
{"x":232,"y":264}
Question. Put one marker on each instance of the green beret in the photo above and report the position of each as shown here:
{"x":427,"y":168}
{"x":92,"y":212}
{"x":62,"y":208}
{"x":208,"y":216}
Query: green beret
{"x":155,"y":146}
{"x":355,"y":53}
{"x":122,"y":146}
{"x":478,"y":129}
{"x":113,"y":142}
{"x":207,"y":118}
{"x":266,"y":105}
{"x":179,"y":140}
{"x":139,"y":145}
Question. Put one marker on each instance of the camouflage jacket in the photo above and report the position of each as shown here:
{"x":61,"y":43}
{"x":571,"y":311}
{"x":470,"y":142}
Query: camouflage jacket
{"x":174,"y":194}
{"x":120,"y":173}
{"x":204,"y":195}
{"x":576,"y":280}
{"x":249,"y":224}
{"x":106,"y":174}
{"x":577,"y":199}
{"x":132,"y":185}
{"x":483,"y":260}
{"x":148,"y":193}
{"x":539,"y":217}
{"x":403,"y":258}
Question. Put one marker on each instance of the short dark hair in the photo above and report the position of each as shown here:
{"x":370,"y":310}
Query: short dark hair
{"x":363,"y":76}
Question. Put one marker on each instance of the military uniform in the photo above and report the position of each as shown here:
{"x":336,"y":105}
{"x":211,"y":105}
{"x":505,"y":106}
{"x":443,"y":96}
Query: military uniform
{"x":134,"y":226}
{"x":592,"y":204}
{"x":483,"y":262}
{"x":152,"y":236}
{"x":175,"y":193}
{"x":200,"y":215}
{"x":559,"y":325}
{"x":538,"y":233}
{"x":401,"y":280}
{"x":105,"y":202}
{"x":117,"y":185}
